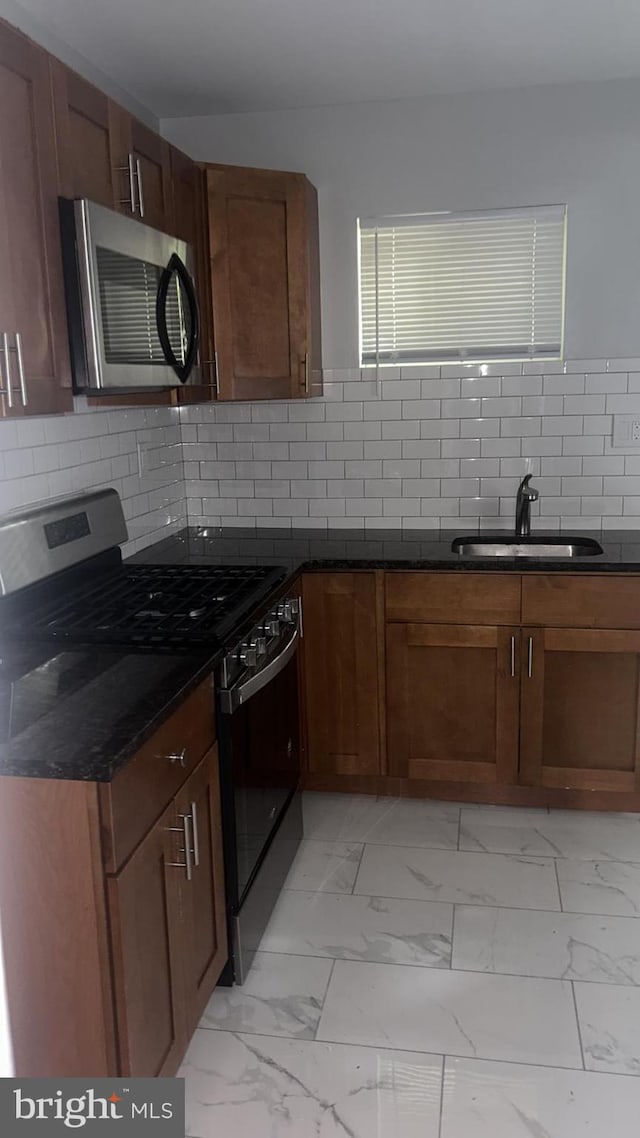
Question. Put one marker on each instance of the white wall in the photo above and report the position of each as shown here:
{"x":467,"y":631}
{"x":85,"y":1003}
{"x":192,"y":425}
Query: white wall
{"x":15,"y":14}
{"x":578,"y":144}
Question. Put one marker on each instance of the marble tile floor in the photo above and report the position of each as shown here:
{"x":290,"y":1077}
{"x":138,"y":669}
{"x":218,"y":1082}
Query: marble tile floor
{"x":435,"y":971}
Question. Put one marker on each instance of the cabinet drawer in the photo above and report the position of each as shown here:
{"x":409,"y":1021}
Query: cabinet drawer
{"x":144,"y":787}
{"x":453,"y":598}
{"x":580,"y":601}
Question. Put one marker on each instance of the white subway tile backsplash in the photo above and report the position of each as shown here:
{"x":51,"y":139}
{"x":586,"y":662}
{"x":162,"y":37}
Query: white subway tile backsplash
{"x":562,"y":425}
{"x":602,"y":505}
{"x":401,"y":429}
{"x":461,"y":408}
{"x":362,"y":431}
{"x":563,"y":384}
{"x":479,"y":467}
{"x":623,"y":404}
{"x":596,"y":383}
{"x":479,"y":428}
{"x":521,"y":385}
{"x":425,"y":447}
{"x":502,"y":406}
{"x":483,"y":385}
{"x":463,"y":448}
{"x":519,"y":427}
{"x":401,"y":468}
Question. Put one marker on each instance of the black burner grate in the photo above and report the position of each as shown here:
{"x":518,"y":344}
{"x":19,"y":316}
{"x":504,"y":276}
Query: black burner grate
{"x":155,"y":605}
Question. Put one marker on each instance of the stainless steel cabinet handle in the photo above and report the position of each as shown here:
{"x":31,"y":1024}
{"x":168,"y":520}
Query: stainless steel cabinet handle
{"x":23,"y":382}
{"x":306,"y":373}
{"x":178,"y":757}
{"x":184,"y":829}
{"x":140,"y":192}
{"x":530,"y":657}
{"x":513,"y":655}
{"x":194,"y":829}
{"x":131,"y":201}
{"x":214,"y":364}
{"x":7,"y":366}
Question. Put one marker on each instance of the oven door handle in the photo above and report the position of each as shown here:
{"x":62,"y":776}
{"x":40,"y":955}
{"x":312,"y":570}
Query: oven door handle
{"x":233,"y":698}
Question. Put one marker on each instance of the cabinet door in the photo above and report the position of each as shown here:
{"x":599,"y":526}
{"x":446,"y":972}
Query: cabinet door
{"x":452,"y":702}
{"x":152,"y":156}
{"x":87,"y":140}
{"x":204,"y":937}
{"x":31,"y":290}
{"x":580,"y":699}
{"x":258,"y":234}
{"x":341,"y":673}
{"x":144,"y":904}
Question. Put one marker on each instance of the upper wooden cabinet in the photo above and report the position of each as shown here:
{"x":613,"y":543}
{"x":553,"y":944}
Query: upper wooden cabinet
{"x":189,"y":208}
{"x":107,"y":155}
{"x":88,"y":140}
{"x":342,"y":673}
{"x":34,"y":358}
{"x":265,"y":283}
{"x":152,"y":164}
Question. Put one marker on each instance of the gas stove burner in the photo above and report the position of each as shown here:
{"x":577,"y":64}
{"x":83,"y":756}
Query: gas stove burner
{"x":169,"y":606}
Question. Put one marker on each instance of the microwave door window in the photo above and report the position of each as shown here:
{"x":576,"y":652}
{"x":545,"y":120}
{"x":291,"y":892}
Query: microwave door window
{"x":177,"y":317}
{"x":128,"y":289}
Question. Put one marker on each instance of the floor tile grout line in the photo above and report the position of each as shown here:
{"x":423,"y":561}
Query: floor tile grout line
{"x":432,"y":1054}
{"x":466,"y":904}
{"x":357,"y":873}
{"x":535,"y":857}
{"x":555,"y":866}
{"x":324,"y":1000}
{"x":444,"y":1064}
{"x":579,"y":1029}
{"x":453,"y":933}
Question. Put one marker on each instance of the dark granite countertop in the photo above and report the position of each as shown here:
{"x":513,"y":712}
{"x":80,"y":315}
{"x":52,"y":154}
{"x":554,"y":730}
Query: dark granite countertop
{"x":323,"y":549}
{"x":81,"y":714}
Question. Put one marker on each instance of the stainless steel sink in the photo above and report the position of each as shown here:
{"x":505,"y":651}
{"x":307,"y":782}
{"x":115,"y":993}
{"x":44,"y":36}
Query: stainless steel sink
{"x":512,"y":546}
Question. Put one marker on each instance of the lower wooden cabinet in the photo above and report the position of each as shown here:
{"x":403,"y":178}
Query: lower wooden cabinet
{"x":480,"y":692}
{"x":452,"y":702}
{"x":169,"y":933}
{"x":342,"y":673}
{"x":579,"y":709}
{"x":144,"y":908}
{"x":203,"y":940}
{"x":114,"y":921}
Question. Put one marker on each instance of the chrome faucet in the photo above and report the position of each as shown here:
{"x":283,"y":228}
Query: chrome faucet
{"x":525,"y":496}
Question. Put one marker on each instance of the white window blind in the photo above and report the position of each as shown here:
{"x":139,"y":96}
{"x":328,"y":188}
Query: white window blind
{"x":462,"y":286}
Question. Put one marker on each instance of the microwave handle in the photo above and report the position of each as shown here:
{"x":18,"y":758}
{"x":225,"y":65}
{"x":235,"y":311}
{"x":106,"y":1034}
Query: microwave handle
{"x":177,"y":266}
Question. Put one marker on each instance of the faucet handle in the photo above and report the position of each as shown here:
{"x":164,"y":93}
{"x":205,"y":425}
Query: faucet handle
{"x":528,"y":491}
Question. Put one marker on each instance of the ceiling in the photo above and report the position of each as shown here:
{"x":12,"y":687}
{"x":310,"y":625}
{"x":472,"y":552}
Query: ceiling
{"x":194,"y":57}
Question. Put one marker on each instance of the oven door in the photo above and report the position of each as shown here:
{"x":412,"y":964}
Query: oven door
{"x":260,"y":772}
{"x":131,"y":301}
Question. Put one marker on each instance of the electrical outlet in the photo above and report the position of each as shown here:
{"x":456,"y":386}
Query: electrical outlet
{"x":626,"y":431}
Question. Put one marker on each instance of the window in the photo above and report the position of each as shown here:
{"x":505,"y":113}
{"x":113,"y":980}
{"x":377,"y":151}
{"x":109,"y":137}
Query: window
{"x":442,"y":287}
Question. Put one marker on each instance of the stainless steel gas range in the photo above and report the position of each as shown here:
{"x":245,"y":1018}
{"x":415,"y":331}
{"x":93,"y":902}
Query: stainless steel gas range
{"x":63,"y":582}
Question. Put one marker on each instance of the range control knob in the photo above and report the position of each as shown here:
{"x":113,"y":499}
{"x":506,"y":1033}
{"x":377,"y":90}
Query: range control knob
{"x":248,"y":655}
{"x":271,"y":626}
{"x":260,"y":645}
{"x":284,"y":611}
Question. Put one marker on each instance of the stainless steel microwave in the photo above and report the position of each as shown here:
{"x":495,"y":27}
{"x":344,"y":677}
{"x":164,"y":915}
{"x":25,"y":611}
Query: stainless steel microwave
{"x":131,"y":302}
